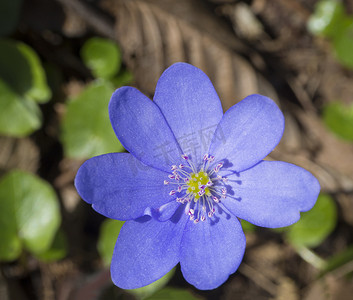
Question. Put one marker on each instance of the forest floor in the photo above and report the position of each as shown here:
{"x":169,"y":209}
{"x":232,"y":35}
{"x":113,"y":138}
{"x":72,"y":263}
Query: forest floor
{"x":270,"y":52}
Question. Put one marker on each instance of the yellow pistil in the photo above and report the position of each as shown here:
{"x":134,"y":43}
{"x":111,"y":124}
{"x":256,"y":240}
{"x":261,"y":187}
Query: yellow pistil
{"x":196,"y":181}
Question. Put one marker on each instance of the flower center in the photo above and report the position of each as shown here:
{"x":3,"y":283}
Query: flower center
{"x":198,"y":184}
{"x":199,"y":189}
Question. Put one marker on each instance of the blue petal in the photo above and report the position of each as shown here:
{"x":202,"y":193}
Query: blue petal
{"x":120,"y":187}
{"x":272,"y":193}
{"x":248,"y":132}
{"x":191,"y":106}
{"x":146,"y":250}
{"x":166,"y":211}
{"x":211,"y":251}
{"x":142,"y":129}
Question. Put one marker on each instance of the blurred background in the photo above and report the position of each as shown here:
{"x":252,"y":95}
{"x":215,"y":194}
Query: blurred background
{"x":60,"y":61}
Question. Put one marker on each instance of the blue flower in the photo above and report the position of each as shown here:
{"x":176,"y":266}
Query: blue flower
{"x":191,"y":174}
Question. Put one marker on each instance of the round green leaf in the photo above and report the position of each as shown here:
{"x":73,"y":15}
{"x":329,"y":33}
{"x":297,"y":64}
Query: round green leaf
{"x":102,"y":56}
{"x":86,"y":129}
{"x":9,"y":13}
{"x":123,"y":78}
{"x":327,"y":18}
{"x":18,"y":116}
{"x":12,"y":60}
{"x":109,"y":232}
{"x":315,"y":225}
{"x":10,"y":245}
{"x":172,"y":294}
{"x":57,"y":250}
{"x":40,"y":90}
{"x":339,"y":119}
{"x":29,"y":214}
{"x":343,"y":45}
{"x":30,"y":81}
{"x":247,"y":226}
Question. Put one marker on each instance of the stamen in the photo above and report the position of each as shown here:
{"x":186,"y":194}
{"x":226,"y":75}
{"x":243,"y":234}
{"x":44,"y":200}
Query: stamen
{"x":224,"y":192}
{"x":198,"y":187}
{"x":215,"y":199}
{"x":218,"y":167}
{"x":201,"y":193}
{"x":185,"y":157}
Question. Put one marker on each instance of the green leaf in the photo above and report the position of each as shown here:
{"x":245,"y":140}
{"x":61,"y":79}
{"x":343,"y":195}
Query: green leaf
{"x":315,"y":225}
{"x":29,"y":214}
{"x":109,"y":232}
{"x":247,"y":226}
{"x":40,"y":90}
{"x":18,"y":116}
{"x":86,"y":129}
{"x":21,"y":69}
{"x":10,"y":245}
{"x":123,"y":78}
{"x":9,"y":13}
{"x":102,"y":56}
{"x":57,"y":250}
{"x":328,"y":19}
{"x":339,"y":119}
{"x":343,"y":43}
{"x":148,"y":290}
{"x":22,"y":81}
{"x":172,"y":294}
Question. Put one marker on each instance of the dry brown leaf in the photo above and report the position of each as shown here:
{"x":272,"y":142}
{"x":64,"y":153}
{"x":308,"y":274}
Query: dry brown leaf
{"x":287,"y":289}
{"x":330,"y":288}
{"x":155,"y":34}
{"x":18,"y":154}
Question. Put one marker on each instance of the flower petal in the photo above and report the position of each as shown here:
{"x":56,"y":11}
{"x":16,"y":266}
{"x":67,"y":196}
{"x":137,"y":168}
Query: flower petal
{"x":211,"y":251}
{"x":166,"y":211}
{"x":142,"y":129}
{"x":120,"y":187}
{"x":191,"y":106}
{"x":146,"y":250}
{"x":248,"y":132}
{"x":272,"y":194}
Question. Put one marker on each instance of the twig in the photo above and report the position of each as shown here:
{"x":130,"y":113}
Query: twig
{"x":260,"y":279}
{"x":311,"y":257}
